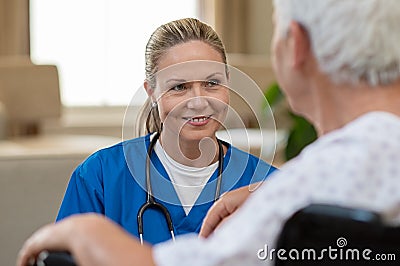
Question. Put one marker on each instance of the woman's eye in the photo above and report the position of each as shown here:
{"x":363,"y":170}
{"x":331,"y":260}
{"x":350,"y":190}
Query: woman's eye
{"x":179,"y":87}
{"x":212,"y":83}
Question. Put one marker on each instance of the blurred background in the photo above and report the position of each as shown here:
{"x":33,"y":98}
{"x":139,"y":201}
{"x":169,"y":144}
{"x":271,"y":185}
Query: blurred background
{"x":70,"y":68}
{"x":93,"y":51}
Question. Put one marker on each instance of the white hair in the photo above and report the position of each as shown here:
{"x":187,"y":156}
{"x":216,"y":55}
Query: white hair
{"x":353,"y":40}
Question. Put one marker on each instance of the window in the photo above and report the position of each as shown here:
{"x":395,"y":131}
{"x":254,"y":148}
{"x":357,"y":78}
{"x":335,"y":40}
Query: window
{"x":98,"y":45}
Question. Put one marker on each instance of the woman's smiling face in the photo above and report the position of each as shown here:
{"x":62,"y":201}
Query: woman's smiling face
{"x":191,"y":90}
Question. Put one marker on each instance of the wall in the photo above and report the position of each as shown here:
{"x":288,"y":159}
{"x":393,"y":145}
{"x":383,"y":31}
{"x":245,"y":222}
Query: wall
{"x":14,"y":27}
{"x":245,"y":26}
{"x":260,"y":27}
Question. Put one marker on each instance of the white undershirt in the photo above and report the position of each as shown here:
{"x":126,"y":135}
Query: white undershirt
{"x":188,"y":181}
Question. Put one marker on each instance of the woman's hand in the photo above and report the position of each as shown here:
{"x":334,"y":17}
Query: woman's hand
{"x":92,"y":239}
{"x":227,"y":204}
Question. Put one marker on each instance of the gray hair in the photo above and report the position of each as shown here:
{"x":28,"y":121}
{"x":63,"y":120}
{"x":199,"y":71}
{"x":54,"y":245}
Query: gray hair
{"x":353,"y":40}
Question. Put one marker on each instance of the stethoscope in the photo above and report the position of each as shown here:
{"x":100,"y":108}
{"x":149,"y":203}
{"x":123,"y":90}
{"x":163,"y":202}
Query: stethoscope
{"x":150,"y":201}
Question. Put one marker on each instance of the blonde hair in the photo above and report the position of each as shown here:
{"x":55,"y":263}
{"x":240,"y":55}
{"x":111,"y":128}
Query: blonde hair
{"x":164,"y":37}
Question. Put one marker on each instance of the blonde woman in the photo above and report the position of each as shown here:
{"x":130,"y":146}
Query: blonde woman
{"x":188,"y":167}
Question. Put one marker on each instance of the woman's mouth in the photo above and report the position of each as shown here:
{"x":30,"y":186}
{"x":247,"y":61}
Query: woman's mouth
{"x":198,"y":120}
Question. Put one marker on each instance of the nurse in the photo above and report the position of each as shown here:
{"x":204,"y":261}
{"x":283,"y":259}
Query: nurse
{"x":186,"y":83}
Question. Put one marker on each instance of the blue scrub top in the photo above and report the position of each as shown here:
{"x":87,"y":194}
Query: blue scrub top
{"x":112,"y":182}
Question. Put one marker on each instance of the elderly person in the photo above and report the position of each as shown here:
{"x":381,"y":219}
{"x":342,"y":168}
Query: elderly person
{"x":338,"y":62}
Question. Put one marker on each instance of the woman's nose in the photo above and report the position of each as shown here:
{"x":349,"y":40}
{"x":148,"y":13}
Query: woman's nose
{"x":198,"y":99}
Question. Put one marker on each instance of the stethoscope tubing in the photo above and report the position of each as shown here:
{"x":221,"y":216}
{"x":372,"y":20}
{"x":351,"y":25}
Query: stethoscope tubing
{"x":150,"y":201}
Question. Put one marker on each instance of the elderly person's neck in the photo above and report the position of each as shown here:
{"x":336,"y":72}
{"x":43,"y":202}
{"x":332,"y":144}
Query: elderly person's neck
{"x":338,"y":104}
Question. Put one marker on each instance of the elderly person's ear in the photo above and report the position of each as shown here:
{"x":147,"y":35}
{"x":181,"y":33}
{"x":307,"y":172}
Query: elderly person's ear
{"x":300,"y":43}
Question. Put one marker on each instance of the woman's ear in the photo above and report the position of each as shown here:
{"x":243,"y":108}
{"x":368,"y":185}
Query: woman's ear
{"x":149,"y":90}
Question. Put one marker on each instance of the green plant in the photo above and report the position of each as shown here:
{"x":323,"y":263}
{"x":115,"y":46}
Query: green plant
{"x":301,"y":132}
